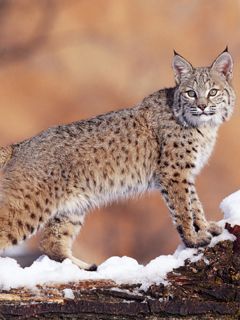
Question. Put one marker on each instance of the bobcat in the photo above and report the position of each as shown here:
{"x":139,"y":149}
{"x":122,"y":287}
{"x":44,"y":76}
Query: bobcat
{"x":54,"y":178}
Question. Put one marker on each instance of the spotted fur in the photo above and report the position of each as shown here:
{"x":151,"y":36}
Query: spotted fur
{"x":53,"y":179}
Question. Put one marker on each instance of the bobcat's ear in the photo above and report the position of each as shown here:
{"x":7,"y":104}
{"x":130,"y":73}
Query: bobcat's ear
{"x":224,"y":65}
{"x":181,"y":67}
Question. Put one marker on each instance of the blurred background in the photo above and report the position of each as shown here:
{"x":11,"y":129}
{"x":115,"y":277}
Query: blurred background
{"x":66,"y":60}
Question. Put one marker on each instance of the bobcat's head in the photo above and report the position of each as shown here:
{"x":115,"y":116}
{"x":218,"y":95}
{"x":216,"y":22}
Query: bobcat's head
{"x":203,"y":95}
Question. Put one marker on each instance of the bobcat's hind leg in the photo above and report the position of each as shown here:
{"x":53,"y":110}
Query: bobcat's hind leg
{"x":10,"y":235}
{"x":58,"y":236}
{"x":16,"y":224}
{"x":25,"y":205}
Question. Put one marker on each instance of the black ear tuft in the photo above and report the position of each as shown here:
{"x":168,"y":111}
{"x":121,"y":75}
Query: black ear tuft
{"x":175,"y":52}
{"x":226,"y":49}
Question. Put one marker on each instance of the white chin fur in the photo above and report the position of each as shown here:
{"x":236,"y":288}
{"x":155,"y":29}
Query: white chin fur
{"x":202,"y":119}
{"x":205,"y":117}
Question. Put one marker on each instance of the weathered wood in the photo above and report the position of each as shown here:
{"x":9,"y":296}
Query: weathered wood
{"x":206,"y":289}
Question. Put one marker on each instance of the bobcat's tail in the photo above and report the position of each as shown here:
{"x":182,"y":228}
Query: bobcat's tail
{"x":5,"y":155}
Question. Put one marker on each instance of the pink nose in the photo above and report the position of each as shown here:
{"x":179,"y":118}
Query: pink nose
{"x":202,"y":106}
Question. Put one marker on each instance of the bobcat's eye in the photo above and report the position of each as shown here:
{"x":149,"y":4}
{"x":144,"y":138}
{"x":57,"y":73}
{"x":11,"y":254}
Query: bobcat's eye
{"x":191,"y":93}
{"x":212,"y":92}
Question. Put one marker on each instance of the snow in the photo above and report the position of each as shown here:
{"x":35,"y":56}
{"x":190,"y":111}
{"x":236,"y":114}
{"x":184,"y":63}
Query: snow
{"x":231,"y":208}
{"x":68,"y":293}
{"x":119,"y":269}
{"x":225,"y":235}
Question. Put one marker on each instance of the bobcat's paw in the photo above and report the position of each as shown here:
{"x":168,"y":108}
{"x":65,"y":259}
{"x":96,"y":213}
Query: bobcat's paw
{"x":214,"y":229}
{"x":201,"y":239}
{"x":93,"y":267}
{"x":83,"y":265}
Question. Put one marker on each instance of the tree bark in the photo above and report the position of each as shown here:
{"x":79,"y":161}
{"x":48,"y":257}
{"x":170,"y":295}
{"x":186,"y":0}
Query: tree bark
{"x":206,"y":289}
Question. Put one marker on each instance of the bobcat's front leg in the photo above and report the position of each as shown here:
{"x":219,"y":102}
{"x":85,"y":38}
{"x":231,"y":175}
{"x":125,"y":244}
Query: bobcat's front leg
{"x":177,"y":193}
{"x":200,"y":222}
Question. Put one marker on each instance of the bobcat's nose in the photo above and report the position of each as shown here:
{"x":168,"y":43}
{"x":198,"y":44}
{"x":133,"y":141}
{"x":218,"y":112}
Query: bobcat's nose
{"x":202,"y":106}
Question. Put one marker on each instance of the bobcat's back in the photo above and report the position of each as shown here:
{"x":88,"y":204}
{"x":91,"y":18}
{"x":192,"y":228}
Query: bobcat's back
{"x":5,"y":155}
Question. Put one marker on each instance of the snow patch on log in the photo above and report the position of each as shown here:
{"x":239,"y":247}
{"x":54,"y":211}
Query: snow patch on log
{"x":231,"y":208}
{"x":68,"y":294}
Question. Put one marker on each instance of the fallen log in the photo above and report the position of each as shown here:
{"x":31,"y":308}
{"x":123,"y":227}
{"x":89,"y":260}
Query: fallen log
{"x":206,"y":289}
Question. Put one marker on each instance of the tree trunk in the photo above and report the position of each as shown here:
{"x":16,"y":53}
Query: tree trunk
{"x":206,"y":289}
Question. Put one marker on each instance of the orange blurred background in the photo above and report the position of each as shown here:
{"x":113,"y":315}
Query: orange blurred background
{"x":65,"y":60}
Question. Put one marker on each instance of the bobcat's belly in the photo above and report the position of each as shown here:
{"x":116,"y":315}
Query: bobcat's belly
{"x":79,"y":203}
